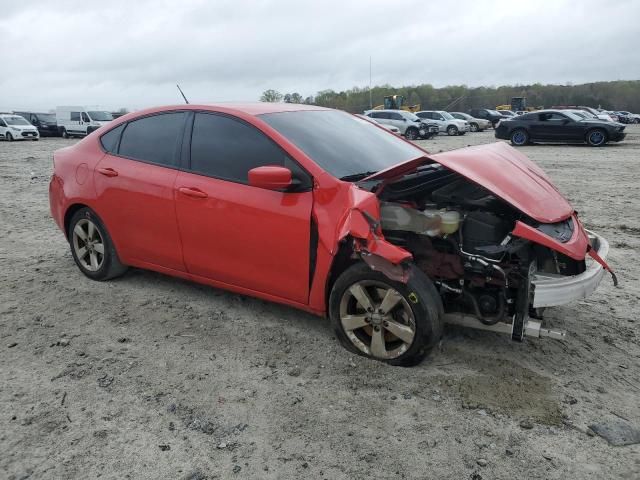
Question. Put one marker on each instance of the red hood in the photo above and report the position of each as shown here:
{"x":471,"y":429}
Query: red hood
{"x":505,"y":172}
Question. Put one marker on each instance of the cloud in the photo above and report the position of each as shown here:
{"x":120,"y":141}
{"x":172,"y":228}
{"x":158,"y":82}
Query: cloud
{"x":124,"y":53}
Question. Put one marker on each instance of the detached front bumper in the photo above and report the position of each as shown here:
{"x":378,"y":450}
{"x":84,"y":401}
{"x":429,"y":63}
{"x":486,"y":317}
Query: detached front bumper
{"x":552,"y":290}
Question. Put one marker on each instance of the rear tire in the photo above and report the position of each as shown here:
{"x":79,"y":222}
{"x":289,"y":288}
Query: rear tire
{"x":519,"y":137}
{"x":416,"y":315}
{"x":92,"y":248}
{"x":596,"y":137}
{"x":412,"y":133}
{"x":63,"y":133}
{"x":452,"y":130}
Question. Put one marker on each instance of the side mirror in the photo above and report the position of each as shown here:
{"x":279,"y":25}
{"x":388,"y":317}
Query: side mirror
{"x":270,"y":177}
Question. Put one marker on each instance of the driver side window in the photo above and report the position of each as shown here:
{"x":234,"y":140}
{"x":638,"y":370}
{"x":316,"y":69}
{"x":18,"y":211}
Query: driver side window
{"x":225,"y":148}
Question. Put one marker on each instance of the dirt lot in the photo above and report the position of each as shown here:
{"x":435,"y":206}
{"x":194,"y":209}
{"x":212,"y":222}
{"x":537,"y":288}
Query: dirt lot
{"x":153,"y":377}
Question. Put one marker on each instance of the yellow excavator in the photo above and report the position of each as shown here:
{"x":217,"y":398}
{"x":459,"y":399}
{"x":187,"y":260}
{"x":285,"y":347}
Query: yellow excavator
{"x":518,"y":104}
{"x":397,"y":102}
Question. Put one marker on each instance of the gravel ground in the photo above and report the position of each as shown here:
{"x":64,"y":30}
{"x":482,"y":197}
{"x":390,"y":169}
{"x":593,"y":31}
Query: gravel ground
{"x":153,"y":377}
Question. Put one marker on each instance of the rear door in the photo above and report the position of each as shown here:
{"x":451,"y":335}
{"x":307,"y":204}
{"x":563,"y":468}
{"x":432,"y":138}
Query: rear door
{"x":134,"y":185}
{"x":234,"y":233}
{"x":555,"y":127}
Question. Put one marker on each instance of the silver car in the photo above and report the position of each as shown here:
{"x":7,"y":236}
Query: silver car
{"x":447,"y":123}
{"x":475,"y":124}
{"x":408,"y":123}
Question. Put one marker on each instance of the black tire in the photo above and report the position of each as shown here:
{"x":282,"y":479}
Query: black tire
{"x":461,"y":133}
{"x":636,"y":120}
{"x":519,"y":137}
{"x":596,"y":137}
{"x":110,"y":266}
{"x":412,"y":133}
{"x":9,"y":137}
{"x":419,"y":293}
{"x":63,"y":133}
{"x":474,"y":127}
{"x":452,"y":130}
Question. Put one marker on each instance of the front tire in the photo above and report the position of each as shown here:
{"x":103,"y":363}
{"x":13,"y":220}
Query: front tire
{"x":452,"y":130}
{"x":596,"y":137}
{"x":519,"y":137}
{"x":412,"y":133}
{"x":92,"y":248}
{"x":474,"y":127}
{"x":9,"y":137}
{"x":386,"y":320}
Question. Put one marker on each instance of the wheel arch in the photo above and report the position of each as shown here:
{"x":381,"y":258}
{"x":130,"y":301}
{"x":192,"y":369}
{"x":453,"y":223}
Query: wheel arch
{"x":68,"y":214}
{"x":342,"y":260}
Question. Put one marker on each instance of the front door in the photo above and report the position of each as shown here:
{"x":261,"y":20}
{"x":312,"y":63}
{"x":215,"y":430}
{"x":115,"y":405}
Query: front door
{"x":134,"y":186}
{"x":232,"y":232}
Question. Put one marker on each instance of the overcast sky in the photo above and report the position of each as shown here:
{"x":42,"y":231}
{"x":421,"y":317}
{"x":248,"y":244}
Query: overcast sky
{"x":132,"y":53}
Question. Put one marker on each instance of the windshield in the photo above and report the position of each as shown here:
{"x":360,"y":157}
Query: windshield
{"x":46,"y":117}
{"x":346,"y":146}
{"x":100,"y":116}
{"x":15,"y":120}
{"x":446,"y":115}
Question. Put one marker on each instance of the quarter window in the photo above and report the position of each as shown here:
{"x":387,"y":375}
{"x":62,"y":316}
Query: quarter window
{"x":225,"y":148}
{"x":153,"y":139}
{"x":111,"y":139}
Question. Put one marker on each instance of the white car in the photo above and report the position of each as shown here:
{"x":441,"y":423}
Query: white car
{"x":80,"y":121}
{"x":15,"y":127}
{"x":408,"y":123}
{"x":445,"y":121}
{"x":391,"y":128}
{"x":475,"y":124}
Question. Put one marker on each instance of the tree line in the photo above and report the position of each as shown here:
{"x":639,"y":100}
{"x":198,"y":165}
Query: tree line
{"x":615,"y":95}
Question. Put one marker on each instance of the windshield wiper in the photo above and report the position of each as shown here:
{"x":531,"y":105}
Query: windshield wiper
{"x":356,"y":176}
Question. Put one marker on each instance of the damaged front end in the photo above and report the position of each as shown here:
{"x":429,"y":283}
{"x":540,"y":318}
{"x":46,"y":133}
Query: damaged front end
{"x":496,"y":262}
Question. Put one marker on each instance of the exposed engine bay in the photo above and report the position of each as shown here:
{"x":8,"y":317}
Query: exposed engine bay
{"x":459,"y":234}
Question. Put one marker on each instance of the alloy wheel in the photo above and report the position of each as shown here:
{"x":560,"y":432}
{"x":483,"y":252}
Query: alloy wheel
{"x":88,"y":245}
{"x":596,"y":138}
{"x":377,"y":319}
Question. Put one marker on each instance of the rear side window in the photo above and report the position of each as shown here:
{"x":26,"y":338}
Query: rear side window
{"x":111,"y":139}
{"x":153,"y":139}
{"x":225,"y":148}
{"x":75,"y":116}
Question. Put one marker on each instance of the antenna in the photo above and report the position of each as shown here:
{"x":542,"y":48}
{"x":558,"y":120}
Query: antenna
{"x":182,"y":93}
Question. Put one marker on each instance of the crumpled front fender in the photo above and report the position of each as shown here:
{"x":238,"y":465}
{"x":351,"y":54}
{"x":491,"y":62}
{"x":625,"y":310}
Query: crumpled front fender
{"x":362,"y":223}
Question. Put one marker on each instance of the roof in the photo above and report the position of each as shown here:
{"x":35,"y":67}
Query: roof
{"x":249,"y":108}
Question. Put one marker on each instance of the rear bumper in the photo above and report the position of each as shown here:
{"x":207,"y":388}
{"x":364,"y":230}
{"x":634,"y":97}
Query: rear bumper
{"x":558,"y":290}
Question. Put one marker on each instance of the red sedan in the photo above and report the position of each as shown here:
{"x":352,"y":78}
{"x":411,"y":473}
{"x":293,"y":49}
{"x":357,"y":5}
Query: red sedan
{"x":326,"y":212}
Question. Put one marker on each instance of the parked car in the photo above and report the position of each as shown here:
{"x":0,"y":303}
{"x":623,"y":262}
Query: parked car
{"x":408,"y":123}
{"x":492,"y":115}
{"x":445,"y":121}
{"x":44,"y":122}
{"x":559,"y":126}
{"x":14,"y":127}
{"x":593,"y":111}
{"x":391,"y":128}
{"x":506,"y":113}
{"x":475,"y":124}
{"x":632,"y":117}
{"x":280,"y":202}
{"x":80,"y":121}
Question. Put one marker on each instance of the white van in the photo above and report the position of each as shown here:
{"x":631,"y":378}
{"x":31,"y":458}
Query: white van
{"x":80,"y":121}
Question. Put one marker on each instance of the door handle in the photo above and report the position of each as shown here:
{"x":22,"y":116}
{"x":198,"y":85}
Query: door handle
{"x":108,"y":172}
{"x":192,"y":192}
